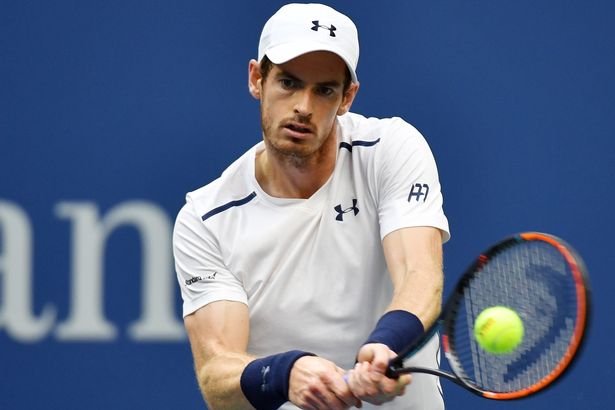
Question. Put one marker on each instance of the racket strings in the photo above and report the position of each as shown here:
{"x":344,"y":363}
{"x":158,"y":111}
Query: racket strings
{"x":534,"y":279}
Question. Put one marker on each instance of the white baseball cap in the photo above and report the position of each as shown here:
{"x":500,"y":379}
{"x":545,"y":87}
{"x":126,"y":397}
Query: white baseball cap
{"x":297,"y":29}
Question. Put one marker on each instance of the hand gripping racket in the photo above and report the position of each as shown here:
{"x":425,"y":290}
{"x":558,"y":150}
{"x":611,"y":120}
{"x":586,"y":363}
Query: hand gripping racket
{"x":541,"y":278}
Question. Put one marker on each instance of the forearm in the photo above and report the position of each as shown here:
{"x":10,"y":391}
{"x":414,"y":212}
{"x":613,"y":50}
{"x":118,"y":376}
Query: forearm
{"x":230,"y":378}
{"x":414,"y":258}
{"x":420,"y":292}
{"x":414,"y":307}
{"x":218,"y":336}
{"x":237,"y":381}
{"x":219,"y":379}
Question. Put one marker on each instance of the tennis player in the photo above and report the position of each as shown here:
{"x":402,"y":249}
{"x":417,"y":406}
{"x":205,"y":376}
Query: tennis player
{"x":317,"y":254}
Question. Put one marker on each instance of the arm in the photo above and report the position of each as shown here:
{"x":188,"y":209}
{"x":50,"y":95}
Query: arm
{"x":414,"y":259}
{"x":218,"y":329}
{"x":218,"y":335}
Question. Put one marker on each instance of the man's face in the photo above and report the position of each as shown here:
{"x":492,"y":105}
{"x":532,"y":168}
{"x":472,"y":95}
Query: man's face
{"x":300,"y":100}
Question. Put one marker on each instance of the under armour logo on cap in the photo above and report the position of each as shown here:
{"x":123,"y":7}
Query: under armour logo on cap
{"x":317,"y":26}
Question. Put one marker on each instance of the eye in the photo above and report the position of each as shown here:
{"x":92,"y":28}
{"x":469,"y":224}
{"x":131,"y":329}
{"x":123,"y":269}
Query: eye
{"x":326,"y":91}
{"x":287,"y":83}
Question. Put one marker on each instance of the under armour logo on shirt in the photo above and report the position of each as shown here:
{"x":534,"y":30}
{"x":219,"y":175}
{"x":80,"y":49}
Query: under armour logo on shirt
{"x":341,"y":212}
{"x":317,"y":25}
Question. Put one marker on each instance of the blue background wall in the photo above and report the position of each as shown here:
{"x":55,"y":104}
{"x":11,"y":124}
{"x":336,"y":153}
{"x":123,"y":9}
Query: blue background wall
{"x":106,"y":103}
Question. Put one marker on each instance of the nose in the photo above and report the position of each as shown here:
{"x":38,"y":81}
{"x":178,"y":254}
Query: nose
{"x":303,"y":103}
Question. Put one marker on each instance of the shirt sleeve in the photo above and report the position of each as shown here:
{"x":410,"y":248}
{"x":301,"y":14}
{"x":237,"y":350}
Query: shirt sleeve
{"x":202,"y":275}
{"x":408,"y":186}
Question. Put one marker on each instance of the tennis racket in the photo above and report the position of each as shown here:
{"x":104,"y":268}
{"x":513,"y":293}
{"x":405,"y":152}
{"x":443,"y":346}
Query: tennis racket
{"x":544,"y":280}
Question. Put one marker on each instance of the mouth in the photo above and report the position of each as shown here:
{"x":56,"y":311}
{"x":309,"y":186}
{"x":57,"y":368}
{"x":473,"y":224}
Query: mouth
{"x":298,"y":129}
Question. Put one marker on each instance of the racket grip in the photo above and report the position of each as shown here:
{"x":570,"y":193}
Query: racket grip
{"x":391,"y":371}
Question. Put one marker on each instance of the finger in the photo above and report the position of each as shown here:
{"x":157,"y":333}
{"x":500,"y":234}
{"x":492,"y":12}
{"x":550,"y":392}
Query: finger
{"x":340,"y":388}
{"x":344,"y":374}
{"x":315,"y":398}
{"x":312,"y":403}
{"x":394,"y":387}
{"x":361,"y":373}
{"x":326,"y":398}
{"x":405,"y":379}
{"x":309,"y":404}
{"x":365,"y":381}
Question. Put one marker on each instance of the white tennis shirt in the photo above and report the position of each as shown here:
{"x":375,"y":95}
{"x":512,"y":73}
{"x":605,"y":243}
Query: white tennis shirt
{"x":312,"y":271}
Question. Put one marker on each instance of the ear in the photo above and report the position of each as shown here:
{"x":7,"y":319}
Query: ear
{"x":254,"y":79}
{"x":348,"y":98}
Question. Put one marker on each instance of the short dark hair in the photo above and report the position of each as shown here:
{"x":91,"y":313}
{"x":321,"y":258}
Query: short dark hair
{"x":266,"y":66}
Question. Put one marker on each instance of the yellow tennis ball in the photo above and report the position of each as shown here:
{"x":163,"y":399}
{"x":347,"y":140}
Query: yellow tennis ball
{"x":498,"y":329}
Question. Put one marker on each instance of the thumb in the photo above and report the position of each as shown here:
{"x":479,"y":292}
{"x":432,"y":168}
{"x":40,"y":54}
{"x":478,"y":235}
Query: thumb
{"x":366,"y":353}
{"x":376,"y":354}
{"x":380,"y":361}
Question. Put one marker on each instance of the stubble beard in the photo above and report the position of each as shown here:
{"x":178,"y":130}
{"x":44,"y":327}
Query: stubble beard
{"x":295,"y":157}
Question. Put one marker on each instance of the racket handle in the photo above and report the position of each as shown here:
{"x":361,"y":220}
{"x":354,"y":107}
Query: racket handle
{"x":393,"y":367}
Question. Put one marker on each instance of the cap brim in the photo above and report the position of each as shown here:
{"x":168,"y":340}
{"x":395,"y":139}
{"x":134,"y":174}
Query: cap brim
{"x":283,"y":53}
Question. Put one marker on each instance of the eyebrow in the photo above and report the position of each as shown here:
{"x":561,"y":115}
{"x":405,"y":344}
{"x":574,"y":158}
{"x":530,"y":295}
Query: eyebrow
{"x":332,"y":83}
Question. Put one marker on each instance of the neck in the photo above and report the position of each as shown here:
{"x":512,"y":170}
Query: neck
{"x":286,"y":176}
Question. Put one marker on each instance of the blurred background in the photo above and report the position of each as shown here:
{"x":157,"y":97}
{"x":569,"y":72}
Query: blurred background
{"x":111,"y":111}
